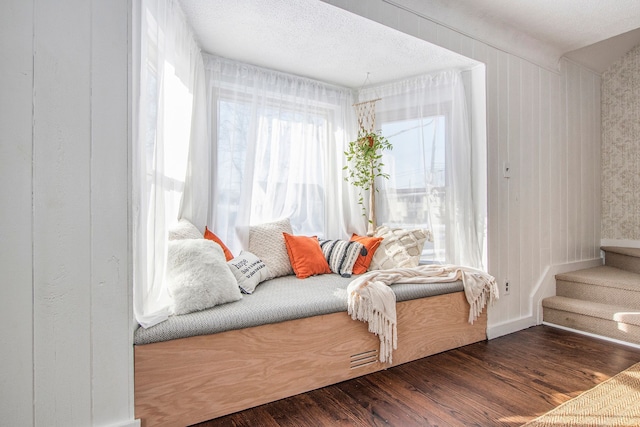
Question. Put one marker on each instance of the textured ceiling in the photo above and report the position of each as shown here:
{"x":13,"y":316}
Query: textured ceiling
{"x":313,"y":39}
{"x":539,"y":30}
{"x":565,"y":24}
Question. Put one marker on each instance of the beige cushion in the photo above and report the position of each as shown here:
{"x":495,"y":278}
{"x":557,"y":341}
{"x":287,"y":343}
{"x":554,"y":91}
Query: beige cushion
{"x":399,"y":248}
{"x":267,"y":243}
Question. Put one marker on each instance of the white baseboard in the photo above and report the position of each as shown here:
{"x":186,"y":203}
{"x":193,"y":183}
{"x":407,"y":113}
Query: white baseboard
{"x":133,"y":423}
{"x":545,"y":287}
{"x":506,"y":328}
{"x":620,"y":243}
{"x":589,"y":334}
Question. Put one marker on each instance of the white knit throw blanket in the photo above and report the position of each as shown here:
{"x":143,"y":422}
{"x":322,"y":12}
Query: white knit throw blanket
{"x":371,"y":300}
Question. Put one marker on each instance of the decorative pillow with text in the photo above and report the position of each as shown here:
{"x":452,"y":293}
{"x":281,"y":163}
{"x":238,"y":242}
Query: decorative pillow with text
{"x":249,"y":271}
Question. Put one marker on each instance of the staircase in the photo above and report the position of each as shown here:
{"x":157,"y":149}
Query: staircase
{"x":604,"y":300}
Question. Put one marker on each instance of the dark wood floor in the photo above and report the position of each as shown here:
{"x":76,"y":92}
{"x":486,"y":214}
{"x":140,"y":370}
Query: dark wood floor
{"x":503,"y":382}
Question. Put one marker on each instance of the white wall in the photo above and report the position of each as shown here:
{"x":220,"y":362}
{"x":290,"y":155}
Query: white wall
{"x":546,"y":125}
{"x":16,"y":312}
{"x":65,"y":322}
{"x":65,"y":339}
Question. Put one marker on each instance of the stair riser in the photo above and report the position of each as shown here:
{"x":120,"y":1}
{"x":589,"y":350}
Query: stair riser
{"x":594,"y":325}
{"x":623,"y":262}
{"x":600,"y":294}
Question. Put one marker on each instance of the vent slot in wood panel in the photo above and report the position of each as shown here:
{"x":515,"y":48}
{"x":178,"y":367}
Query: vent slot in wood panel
{"x":363,"y":359}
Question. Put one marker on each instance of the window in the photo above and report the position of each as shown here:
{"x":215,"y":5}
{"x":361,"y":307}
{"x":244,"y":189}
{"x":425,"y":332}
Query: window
{"x":274,"y":155}
{"x":414,"y":195}
{"x":435,"y":165}
{"x":168,"y":124}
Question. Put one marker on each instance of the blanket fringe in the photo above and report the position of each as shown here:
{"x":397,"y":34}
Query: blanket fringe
{"x":378,"y":324}
{"x":369,"y":299}
{"x":488,"y":294}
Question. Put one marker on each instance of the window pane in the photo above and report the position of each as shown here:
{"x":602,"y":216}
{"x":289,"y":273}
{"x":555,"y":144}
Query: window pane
{"x":284,"y":151}
{"x":413,"y":196}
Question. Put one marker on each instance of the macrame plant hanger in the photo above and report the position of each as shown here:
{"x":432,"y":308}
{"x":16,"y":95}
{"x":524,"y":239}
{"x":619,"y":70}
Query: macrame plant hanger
{"x":366,"y":115}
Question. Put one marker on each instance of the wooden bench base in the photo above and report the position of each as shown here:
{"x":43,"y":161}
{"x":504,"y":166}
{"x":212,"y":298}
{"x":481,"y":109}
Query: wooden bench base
{"x":190,"y":380}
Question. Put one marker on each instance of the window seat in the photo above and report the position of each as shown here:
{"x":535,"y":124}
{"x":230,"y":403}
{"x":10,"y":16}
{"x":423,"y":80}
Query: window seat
{"x":289,"y":337}
{"x":277,"y":300}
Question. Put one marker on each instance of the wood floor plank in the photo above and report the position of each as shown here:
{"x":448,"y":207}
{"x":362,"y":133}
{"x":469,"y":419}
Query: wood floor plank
{"x":457,"y":398}
{"x":421,"y":398}
{"x":503,"y":382}
{"x":342,"y":407}
{"x":383,"y":407}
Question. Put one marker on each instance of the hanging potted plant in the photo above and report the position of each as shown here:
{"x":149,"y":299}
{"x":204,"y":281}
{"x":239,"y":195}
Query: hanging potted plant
{"x":364,"y":157}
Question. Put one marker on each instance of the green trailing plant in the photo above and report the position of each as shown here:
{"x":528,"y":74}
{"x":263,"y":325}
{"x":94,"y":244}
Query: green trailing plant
{"x":364,"y":157}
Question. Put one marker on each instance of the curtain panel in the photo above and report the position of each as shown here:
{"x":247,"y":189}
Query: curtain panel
{"x":430,"y":166}
{"x":169,"y":70}
{"x":277,"y":151}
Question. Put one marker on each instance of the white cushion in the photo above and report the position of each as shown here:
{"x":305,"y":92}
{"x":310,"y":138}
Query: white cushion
{"x":184,"y":229}
{"x":400,"y":248}
{"x":249,"y":271}
{"x":198,"y":276}
{"x":267,"y":243}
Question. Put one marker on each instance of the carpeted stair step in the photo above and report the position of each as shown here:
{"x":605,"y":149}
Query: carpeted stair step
{"x":612,"y":321}
{"x":622,"y":258}
{"x":603,"y":284}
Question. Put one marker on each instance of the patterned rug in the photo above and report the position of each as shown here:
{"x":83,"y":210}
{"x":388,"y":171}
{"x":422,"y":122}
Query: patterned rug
{"x":614,"y":402}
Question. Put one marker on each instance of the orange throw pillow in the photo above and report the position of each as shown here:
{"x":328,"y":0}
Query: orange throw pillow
{"x":371,"y":244}
{"x":210,"y":236}
{"x":306,"y":256}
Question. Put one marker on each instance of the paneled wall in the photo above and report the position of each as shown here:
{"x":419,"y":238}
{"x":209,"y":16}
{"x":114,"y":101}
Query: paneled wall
{"x":65,"y":316}
{"x":65,"y":338}
{"x":16,"y":231}
{"x":546,"y":126}
{"x":621,"y":151}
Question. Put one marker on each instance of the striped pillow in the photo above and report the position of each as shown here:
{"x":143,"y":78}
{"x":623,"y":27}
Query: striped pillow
{"x":341,"y":255}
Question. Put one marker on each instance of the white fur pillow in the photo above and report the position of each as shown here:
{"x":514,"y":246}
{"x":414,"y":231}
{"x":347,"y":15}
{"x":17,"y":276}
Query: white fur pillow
{"x":399,"y":249}
{"x":249,"y":271}
{"x":267,"y":243}
{"x":184,"y":229}
{"x":198,"y":276}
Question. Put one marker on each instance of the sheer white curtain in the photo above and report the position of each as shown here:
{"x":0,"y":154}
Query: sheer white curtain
{"x":277,"y":144}
{"x":170,"y":64}
{"x":430,"y":166}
